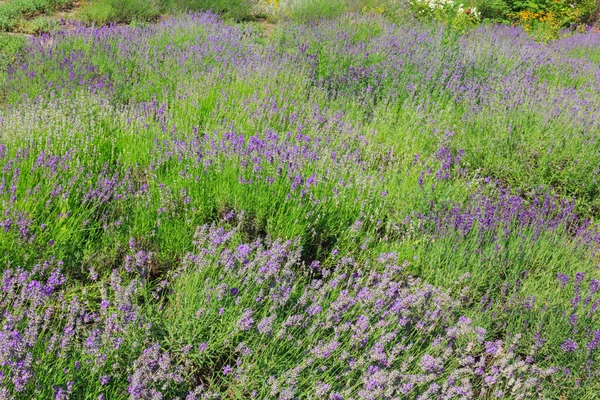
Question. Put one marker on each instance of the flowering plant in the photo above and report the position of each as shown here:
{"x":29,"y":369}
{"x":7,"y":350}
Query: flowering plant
{"x":547,"y":20}
{"x":448,"y":10}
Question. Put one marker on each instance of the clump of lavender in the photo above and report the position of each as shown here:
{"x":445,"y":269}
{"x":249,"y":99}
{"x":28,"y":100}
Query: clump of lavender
{"x":370,"y":322}
{"x":352,"y":145}
{"x":391,"y":332}
{"x":90,"y":336}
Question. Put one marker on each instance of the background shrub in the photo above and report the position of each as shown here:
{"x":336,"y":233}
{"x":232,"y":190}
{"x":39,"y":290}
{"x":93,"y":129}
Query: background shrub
{"x":493,"y":9}
{"x":12,"y":11}
{"x":545,"y":18}
{"x":565,"y":12}
{"x":310,"y":10}
{"x":589,"y":9}
{"x":236,"y":9}
{"x":37,"y":25}
{"x":120,"y":11}
{"x":10,"y":46}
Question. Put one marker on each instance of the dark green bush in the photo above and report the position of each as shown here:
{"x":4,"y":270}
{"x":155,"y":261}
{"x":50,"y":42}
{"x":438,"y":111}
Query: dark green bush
{"x":493,"y":9}
{"x":587,"y":7}
{"x":590,"y":9}
{"x":554,"y":14}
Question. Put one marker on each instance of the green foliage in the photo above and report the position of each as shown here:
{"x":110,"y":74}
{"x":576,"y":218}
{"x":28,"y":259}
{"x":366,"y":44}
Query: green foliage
{"x":37,"y":25}
{"x":10,"y":47}
{"x":455,"y":14}
{"x":562,"y":13}
{"x":120,"y":11}
{"x":536,"y":5}
{"x":311,"y":10}
{"x":236,"y":9}
{"x":543,"y":17}
{"x":14,"y":10}
{"x":589,"y":9}
{"x":592,"y":54}
{"x":493,"y":9}
{"x":125,"y":11}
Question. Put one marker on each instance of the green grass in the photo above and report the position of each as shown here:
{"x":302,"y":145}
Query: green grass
{"x":102,"y":12}
{"x":12,"y":11}
{"x":10,"y":47}
{"x":239,"y":10}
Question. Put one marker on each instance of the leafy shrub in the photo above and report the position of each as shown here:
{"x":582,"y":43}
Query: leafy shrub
{"x":309,"y":10}
{"x":555,"y":13}
{"x":394,"y":10}
{"x":456,"y":14}
{"x":544,"y":17}
{"x":12,"y":11}
{"x":493,"y":9}
{"x":10,"y":46}
{"x":41,"y":24}
{"x":545,"y":20}
{"x":6,"y":22}
{"x":120,"y":11}
{"x":9,"y":14}
{"x":237,"y":9}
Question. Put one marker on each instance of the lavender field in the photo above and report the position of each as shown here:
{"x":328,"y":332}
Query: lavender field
{"x":344,"y":209}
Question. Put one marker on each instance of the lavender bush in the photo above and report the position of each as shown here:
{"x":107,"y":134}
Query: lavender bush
{"x":348,"y":209}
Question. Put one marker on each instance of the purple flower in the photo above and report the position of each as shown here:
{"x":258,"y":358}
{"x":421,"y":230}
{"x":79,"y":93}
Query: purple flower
{"x":569,"y":346}
{"x":431,"y":364}
{"x":322,"y":389}
{"x":492,"y":348}
{"x":595,"y":342}
{"x":202,"y":347}
{"x":243,"y":251}
{"x":265,"y":325}
{"x":234,"y":291}
{"x":314,"y":309}
{"x":228,"y":369}
{"x":246,"y":321}
{"x":325,"y":350}
{"x":573,"y":320}
{"x":564,"y":279}
{"x":490,"y":380}
{"x":407,"y":388}
{"x":481,"y":332}
{"x":594,"y":286}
